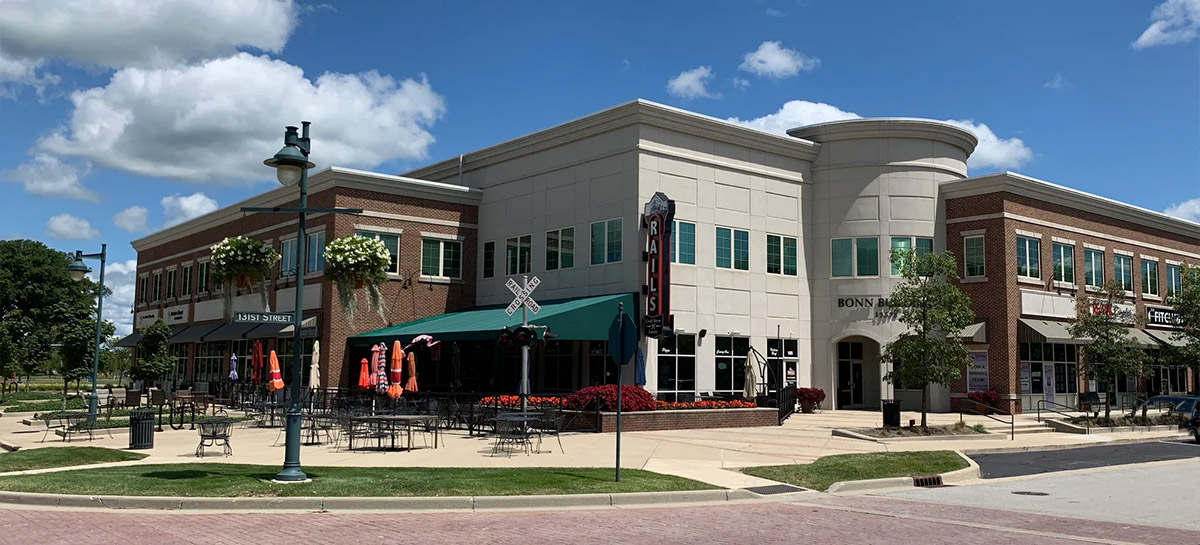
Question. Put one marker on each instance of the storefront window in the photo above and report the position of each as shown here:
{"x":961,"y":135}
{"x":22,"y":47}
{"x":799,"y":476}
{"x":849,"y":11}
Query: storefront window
{"x":676,"y":367}
{"x":556,"y":371}
{"x":731,"y":363}
{"x":284,"y":353}
{"x":781,"y":357}
{"x":209,"y":361}
{"x":601,"y":368}
{"x":1051,"y":366}
{"x":179,"y":353}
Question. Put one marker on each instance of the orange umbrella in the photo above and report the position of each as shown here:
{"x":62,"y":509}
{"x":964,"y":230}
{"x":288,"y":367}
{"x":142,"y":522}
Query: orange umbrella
{"x":411,"y":385}
{"x":275,"y":376}
{"x":364,"y":376}
{"x":394,"y":390}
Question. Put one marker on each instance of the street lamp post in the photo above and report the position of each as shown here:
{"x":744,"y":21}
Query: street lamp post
{"x":78,"y":269}
{"x":291,"y":166}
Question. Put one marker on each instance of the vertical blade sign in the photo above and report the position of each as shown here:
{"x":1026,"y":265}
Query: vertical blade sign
{"x":659,"y":215}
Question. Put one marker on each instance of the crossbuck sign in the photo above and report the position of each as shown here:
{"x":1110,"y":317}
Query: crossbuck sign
{"x":521,"y":296}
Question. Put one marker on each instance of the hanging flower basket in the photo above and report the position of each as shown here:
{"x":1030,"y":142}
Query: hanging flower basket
{"x":353,"y":263}
{"x":240,"y":262}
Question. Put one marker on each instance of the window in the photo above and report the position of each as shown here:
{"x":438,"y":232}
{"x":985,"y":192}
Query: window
{"x":1093,"y":267}
{"x":558,"y":366}
{"x":287,"y":258}
{"x":1174,"y":281}
{"x":676,"y":367}
{"x":924,"y":246}
{"x":187,"y":281}
{"x":391,"y":242}
{"x":489,"y":259}
{"x":601,"y":368}
{"x":731,"y":363}
{"x":973,"y":257}
{"x":1149,"y":278}
{"x":781,"y":255}
{"x":210,"y":362}
{"x":900,"y":245}
{"x":1046,"y":358}
{"x":286,"y":354}
{"x":171,"y":284}
{"x":518,"y":251}
{"x":560,"y":249}
{"x":441,"y":258}
{"x":1028,"y":257}
{"x":1064,"y":262}
{"x":683,"y":243}
{"x":843,"y":257}
{"x":733,"y":249}
{"x":179,"y":353}
{"x":202,"y":278}
{"x":143,"y":289}
{"x":316,"y":253}
{"x":157,"y":287}
{"x":1123,"y":271}
{"x":866,"y":256}
{"x":606,"y":242}
{"x":781,"y":362}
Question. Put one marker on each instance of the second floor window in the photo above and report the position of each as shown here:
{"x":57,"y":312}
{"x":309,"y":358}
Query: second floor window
{"x":1174,"y":281}
{"x":1123,"y":271}
{"x":683,"y":243}
{"x":1029,"y":257}
{"x":441,"y":258}
{"x":1064,"y":262}
{"x":560,"y":249}
{"x":157,"y":287}
{"x":781,"y":255}
{"x":1149,"y":278}
{"x":171,"y":284}
{"x":143,"y":289}
{"x":733,"y":249}
{"x":606,"y":241}
{"x":316,"y":253}
{"x":287,"y":258}
{"x":517,"y":253}
{"x":973,"y":257}
{"x":391,"y":242}
{"x":187,"y":281}
{"x":202,"y":277}
{"x":489,"y":259}
{"x":1093,"y":267}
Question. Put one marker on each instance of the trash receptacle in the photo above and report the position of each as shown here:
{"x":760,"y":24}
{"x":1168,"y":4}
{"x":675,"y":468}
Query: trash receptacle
{"x":891,"y":413}
{"x":141,"y":429}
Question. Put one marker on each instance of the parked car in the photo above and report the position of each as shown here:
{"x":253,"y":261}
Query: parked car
{"x":1185,"y":407}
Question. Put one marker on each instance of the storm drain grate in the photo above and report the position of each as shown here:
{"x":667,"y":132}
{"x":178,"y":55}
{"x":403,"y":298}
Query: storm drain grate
{"x":928,"y":481}
{"x":774,"y":489}
{"x":1030,"y":493}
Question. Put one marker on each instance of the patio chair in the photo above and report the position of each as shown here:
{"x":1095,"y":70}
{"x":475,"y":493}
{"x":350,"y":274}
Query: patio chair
{"x":353,"y":429}
{"x":213,"y":433}
{"x":551,"y":423}
{"x":118,"y":396}
{"x":77,"y":424}
{"x":510,"y":433}
{"x":53,"y":421}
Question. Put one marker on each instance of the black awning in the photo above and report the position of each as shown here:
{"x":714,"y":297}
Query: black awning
{"x":229,"y":332}
{"x":129,"y":341}
{"x":193,"y":333}
{"x":270,"y":331}
{"x":175,"y":330}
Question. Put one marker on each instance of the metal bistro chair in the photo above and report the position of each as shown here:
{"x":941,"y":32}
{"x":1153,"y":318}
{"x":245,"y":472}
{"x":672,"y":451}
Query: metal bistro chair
{"x":511,"y":433}
{"x":213,"y":432}
{"x":551,"y":423}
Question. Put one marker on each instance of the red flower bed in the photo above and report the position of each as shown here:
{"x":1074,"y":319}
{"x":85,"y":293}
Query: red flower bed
{"x":633,"y":398}
{"x":989,"y":397}
{"x":515,"y":401}
{"x":813,"y":395}
{"x":679,"y":405}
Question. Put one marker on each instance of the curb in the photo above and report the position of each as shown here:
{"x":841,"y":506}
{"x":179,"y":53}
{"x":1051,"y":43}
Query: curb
{"x":969,"y":473}
{"x":9,"y":447}
{"x":840,"y":432}
{"x":449,"y":503}
{"x":1046,"y":448}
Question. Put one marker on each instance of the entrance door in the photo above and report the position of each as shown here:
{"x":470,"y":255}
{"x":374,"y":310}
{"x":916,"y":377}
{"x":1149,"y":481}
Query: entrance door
{"x":850,"y":375}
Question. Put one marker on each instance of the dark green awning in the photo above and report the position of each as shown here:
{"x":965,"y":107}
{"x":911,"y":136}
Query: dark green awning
{"x":130,"y":340}
{"x":579,"y":319}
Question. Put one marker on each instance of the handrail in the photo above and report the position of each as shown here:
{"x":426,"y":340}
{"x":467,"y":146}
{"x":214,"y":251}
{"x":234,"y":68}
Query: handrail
{"x":1042,"y":406}
{"x":1012,"y":420}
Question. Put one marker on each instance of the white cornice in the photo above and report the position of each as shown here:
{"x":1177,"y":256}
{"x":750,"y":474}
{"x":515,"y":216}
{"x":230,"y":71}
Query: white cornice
{"x":332,"y":177}
{"x":1042,"y":190}
{"x":630,"y":113}
{"x":889,"y":127}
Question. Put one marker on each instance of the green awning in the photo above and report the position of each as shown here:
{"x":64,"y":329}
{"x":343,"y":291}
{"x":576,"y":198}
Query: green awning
{"x":579,"y":319}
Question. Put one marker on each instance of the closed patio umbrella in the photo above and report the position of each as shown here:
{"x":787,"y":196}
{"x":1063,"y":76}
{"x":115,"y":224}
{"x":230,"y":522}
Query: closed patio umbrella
{"x":233,"y":376}
{"x":256,"y":363}
{"x":314,"y":369}
{"x":373,"y":377}
{"x":411,"y":384}
{"x":364,"y":375}
{"x":395,"y":390}
{"x":276,"y":378}
{"x":751,"y":387}
{"x":381,"y":370}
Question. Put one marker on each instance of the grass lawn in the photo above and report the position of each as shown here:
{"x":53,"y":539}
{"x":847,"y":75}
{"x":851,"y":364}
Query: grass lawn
{"x":46,"y":406}
{"x":235,"y":480}
{"x":29,"y":395}
{"x":827,"y":470}
{"x":39,"y":458}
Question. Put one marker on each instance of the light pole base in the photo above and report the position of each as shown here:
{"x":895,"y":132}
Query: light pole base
{"x":291,"y":475}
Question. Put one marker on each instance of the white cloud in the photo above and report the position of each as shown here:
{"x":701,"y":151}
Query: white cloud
{"x":1058,"y":83}
{"x":46,"y":176}
{"x":795,"y":113}
{"x":692,"y":83}
{"x":68,"y":227}
{"x":15,"y":73}
{"x":121,"y":278}
{"x":772,"y":12}
{"x":147,"y":33}
{"x":740,"y":83}
{"x":1188,"y":210}
{"x":132,"y":219}
{"x":216,"y":121}
{"x":1171,"y":22}
{"x":992,"y":150}
{"x":773,"y":60}
{"x":179,"y":208}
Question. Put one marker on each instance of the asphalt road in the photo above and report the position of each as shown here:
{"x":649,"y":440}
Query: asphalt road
{"x":995,"y":466}
{"x":1157,"y":494}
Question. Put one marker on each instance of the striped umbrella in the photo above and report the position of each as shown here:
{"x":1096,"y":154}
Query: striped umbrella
{"x":394,"y":391}
{"x":275,"y":376}
{"x":381,"y":370}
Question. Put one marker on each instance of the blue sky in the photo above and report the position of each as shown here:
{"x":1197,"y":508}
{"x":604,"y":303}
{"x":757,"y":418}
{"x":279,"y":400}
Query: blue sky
{"x":118,"y":121}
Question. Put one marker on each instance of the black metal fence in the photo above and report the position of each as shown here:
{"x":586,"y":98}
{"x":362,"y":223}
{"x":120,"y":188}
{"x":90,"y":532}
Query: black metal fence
{"x":786,"y":399}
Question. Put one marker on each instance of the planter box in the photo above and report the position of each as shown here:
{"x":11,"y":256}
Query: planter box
{"x":689,"y":419}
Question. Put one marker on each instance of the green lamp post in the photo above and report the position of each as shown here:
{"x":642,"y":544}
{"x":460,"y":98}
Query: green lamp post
{"x":78,"y":269}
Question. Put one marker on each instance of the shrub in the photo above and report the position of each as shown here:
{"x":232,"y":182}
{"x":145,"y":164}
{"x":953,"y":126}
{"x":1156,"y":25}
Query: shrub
{"x":718,"y":404}
{"x":987,"y":397}
{"x":633,"y":398}
{"x":813,"y":395}
{"x":515,"y":401}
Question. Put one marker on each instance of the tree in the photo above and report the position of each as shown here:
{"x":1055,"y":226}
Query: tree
{"x":114,"y":360}
{"x":1187,"y":304}
{"x":33,"y":285}
{"x":1110,"y":350}
{"x":76,"y":332}
{"x":935,"y":311}
{"x":154,"y":357}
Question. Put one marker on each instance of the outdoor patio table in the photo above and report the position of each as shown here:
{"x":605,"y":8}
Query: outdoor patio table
{"x":392,"y":421}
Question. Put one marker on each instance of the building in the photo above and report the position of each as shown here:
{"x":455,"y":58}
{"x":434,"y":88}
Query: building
{"x":779,"y":243}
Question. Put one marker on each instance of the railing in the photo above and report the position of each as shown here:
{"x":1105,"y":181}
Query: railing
{"x":786,"y":398}
{"x":1042,"y":405}
{"x":1012,"y":420}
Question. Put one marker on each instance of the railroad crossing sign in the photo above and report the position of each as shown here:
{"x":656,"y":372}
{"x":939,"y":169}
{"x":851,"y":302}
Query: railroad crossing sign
{"x":522,"y":296}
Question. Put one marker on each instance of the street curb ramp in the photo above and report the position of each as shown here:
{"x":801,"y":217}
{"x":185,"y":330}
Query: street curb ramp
{"x":969,"y":473}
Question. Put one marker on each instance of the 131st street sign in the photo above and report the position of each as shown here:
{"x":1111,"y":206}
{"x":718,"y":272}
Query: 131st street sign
{"x":263,"y":318}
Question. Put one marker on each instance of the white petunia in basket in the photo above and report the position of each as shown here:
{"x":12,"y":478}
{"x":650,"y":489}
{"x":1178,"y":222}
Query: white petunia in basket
{"x":354,"y":263}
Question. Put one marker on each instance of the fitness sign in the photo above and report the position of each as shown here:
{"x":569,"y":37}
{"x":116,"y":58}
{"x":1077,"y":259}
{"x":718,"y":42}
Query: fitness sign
{"x":657,"y":218}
